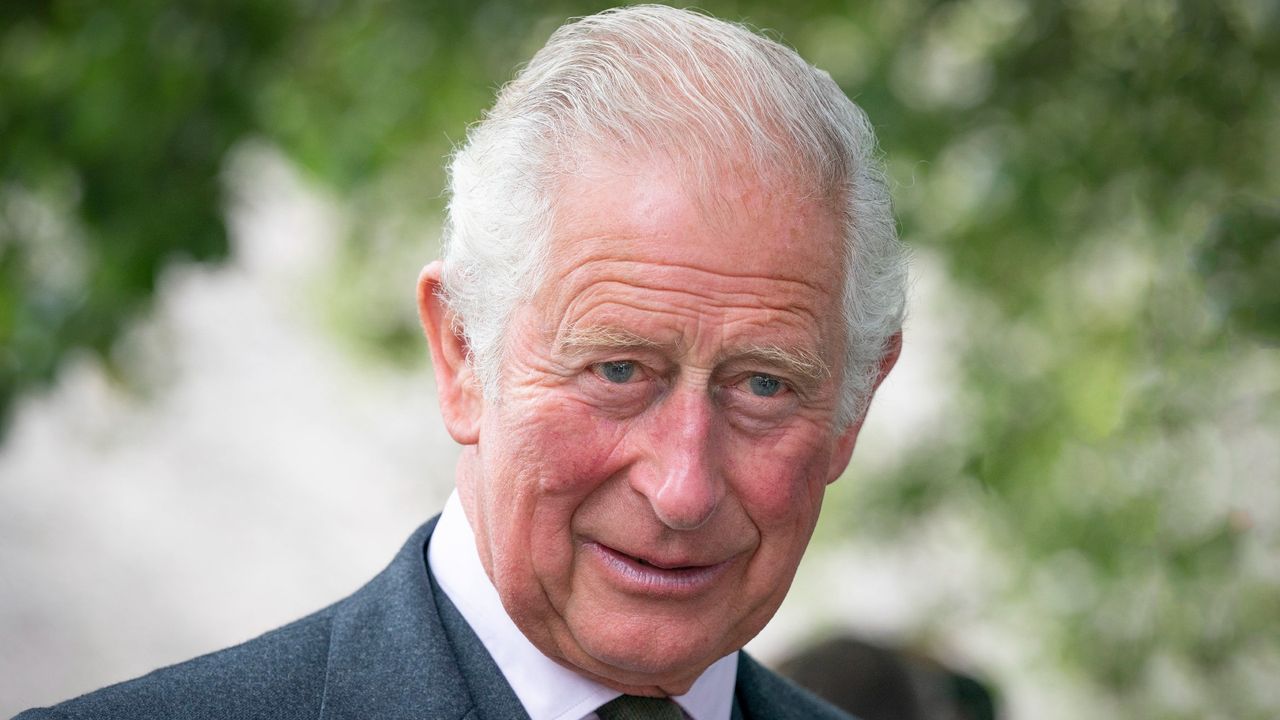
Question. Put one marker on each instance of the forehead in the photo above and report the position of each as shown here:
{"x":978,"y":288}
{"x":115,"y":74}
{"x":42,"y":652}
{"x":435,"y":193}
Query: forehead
{"x":636,"y":238}
{"x":735,"y":225}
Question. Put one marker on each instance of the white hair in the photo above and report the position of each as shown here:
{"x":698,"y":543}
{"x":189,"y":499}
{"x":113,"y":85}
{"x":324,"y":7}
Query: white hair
{"x":647,"y":79}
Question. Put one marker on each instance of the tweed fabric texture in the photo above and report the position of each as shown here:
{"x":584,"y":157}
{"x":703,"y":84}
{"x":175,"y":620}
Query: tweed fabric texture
{"x":637,"y":707}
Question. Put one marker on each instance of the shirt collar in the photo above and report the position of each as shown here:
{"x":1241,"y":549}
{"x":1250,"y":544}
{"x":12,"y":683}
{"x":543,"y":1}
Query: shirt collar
{"x":547,"y":690}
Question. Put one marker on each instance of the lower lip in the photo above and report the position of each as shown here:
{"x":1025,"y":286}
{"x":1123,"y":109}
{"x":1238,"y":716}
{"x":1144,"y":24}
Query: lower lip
{"x":646,"y":579}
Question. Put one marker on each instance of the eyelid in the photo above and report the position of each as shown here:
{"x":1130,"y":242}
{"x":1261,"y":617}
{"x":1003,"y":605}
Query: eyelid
{"x":597,"y":368}
{"x":760,"y":412}
{"x":594,"y":353}
{"x":642,"y":371}
{"x":785,"y":385}
{"x":740,"y":379}
{"x":620,"y":399}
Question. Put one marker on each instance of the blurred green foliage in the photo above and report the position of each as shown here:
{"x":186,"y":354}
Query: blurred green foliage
{"x":1099,"y":180}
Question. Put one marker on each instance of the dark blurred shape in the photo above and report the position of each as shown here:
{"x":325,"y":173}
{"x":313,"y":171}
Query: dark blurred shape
{"x":868,"y":681}
{"x":879,"y":683}
{"x":1240,"y":262}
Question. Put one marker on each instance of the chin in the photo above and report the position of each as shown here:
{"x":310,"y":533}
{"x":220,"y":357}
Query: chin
{"x":673,"y":657}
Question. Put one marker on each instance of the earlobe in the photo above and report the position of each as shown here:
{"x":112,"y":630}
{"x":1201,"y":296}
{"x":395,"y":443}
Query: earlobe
{"x":844,"y":450}
{"x":461,"y":402}
{"x":893,"y":349}
{"x":849,"y":438}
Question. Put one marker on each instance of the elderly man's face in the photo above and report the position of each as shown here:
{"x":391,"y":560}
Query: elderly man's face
{"x":645,"y":486}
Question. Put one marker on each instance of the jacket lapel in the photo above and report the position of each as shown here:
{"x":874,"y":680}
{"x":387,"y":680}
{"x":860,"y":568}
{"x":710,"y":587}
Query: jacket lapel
{"x":400,"y":650}
{"x":493,"y":696}
{"x":762,"y":695}
{"x":389,"y":655}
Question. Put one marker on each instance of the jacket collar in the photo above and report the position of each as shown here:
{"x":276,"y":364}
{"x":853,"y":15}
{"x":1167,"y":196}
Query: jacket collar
{"x":399,"y":650}
{"x":389,"y":654}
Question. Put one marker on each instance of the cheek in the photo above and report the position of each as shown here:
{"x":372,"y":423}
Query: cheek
{"x":557,"y":448}
{"x":781,"y":484}
{"x":540,"y":462}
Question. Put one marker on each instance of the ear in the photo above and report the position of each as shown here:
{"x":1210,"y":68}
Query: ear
{"x":461,"y":402}
{"x":849,"y":438}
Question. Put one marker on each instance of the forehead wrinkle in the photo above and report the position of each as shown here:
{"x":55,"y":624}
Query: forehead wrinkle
{"x":689,"y":300}
{"x":593,"y":322}
{"x":587,"y":313}
{"x":622,"y":268}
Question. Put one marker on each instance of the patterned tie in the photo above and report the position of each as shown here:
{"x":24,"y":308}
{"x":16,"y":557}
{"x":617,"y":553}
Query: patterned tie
{"x":635,"y":707}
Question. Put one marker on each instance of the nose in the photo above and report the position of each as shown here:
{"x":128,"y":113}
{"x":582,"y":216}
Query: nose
{"x":680,"y":475}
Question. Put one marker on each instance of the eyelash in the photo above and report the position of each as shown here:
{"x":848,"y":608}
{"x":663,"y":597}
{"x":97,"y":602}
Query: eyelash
{"x":780,"y":386}
{"x":601,"y":369}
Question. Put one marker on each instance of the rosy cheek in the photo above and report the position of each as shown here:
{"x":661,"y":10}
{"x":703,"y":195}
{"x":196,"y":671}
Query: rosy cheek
{"x":576,"y":449}
{"x":777,"y":487}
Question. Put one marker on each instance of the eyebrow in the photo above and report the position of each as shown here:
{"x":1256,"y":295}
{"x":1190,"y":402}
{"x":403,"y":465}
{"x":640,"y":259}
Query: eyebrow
{"x":581,"y":340}
{"x":804,"y":364}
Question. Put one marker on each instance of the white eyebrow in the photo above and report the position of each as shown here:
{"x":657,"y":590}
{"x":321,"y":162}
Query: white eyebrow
{"x":579,"y":340}
{"x":797,"y":361}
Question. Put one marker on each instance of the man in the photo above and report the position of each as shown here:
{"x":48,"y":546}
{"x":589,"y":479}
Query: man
{"x":669,"y":288}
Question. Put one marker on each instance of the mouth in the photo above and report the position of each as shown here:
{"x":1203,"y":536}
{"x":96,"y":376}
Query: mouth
{"x":654,"y":576}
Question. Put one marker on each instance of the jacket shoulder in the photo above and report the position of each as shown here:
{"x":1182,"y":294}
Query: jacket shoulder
{"x":766,"y":694}
{"x":279,"y":675}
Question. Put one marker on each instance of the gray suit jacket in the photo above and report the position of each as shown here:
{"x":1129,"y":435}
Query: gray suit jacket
{"x":395,"y":650}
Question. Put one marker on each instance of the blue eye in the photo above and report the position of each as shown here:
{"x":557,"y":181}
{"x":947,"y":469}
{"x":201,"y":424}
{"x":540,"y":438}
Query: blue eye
{"x":617,"y":371}
{"x":764,"y":385}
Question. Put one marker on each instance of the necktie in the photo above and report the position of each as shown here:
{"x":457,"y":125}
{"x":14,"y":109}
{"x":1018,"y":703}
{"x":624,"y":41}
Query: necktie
{"x":635,"y":707}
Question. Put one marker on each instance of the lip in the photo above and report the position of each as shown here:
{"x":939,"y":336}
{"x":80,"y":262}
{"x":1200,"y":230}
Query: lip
{"x":655,"y":577}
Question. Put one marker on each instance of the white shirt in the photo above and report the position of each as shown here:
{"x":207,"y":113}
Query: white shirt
{"x":547,"y":690}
